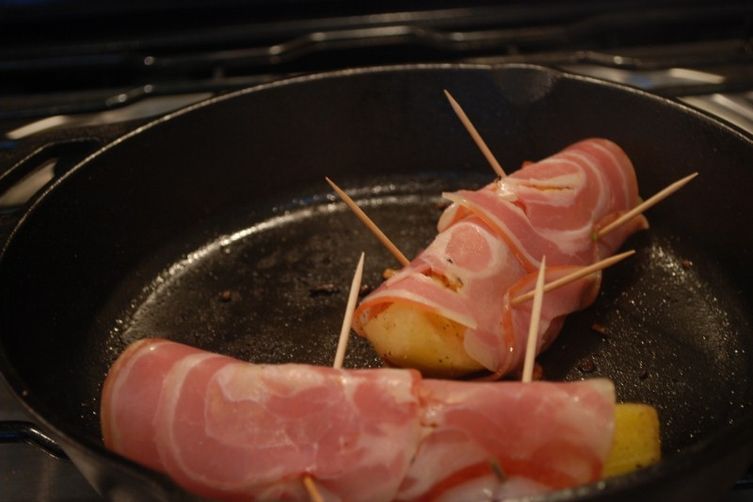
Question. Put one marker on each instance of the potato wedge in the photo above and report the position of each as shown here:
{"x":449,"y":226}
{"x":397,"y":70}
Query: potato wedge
{"x":636,"y":441}
{"x":413,"y":338}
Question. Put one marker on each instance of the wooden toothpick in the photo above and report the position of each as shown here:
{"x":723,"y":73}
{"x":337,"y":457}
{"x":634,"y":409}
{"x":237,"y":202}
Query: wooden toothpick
{"x":355,"y":286}
{"x":313,"y":492}
{"x":342,"y":344}
{"x":650,"y":202}
{"x":533,"y":327}
{"x":475,"y":135}
{"x":574,"y":276}
{"x":369,"y":223}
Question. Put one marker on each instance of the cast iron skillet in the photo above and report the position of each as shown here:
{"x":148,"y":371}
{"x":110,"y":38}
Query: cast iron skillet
{"x":214,"y":227}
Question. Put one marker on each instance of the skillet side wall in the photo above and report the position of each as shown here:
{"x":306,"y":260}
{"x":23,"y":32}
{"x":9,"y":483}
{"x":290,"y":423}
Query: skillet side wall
{"x":82,"y":248}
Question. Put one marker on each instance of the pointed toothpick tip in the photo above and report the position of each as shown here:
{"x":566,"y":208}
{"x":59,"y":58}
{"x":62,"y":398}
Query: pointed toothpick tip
{"x":355,"y":286}
{"x":647,"y":204}
{"x":373,"y":228}
{"x":480,"y":143}
{"x":574,"y":276}
{"x":453,"y":102}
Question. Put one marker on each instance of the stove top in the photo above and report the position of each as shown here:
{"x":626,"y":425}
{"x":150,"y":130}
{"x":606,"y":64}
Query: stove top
{"x":103,"y":81}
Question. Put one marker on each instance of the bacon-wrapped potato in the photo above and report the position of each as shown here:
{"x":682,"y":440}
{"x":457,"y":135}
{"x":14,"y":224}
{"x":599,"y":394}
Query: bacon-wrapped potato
{"x":230,"y":430}
{"x":488,"y":248}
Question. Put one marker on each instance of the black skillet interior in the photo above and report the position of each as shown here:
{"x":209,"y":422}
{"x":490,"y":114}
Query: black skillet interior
{"x":215,"y":228}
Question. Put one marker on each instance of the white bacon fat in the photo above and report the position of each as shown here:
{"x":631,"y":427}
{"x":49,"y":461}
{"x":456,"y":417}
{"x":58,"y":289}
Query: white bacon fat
{"x":491,"y":240}
{"x":231,"y":430}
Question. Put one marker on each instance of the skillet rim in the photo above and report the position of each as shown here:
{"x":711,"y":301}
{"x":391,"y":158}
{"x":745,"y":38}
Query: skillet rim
{"x":676,"y":465}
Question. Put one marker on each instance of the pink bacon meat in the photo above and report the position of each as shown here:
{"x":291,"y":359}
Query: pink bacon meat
{"x":232,"y":430}
{"x":493,"y":238}
{"x":495,"y":441}
{"x":227,"y":429}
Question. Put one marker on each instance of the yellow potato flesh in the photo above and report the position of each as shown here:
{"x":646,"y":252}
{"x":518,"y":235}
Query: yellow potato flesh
{"x":636,"y":442}
{"x":409,"y":337}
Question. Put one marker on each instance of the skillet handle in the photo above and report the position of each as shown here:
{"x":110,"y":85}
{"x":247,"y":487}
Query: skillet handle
{"x":65,"y":153}
{"x":27,"y":177}
{"x":16,"y":431}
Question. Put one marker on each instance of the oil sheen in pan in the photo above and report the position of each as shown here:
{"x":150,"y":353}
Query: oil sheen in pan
{"x":275,"y":292}
{"x":663,"y":327}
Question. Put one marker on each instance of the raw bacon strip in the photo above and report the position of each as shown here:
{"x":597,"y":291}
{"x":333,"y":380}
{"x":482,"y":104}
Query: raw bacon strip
{"x":514,"y":228}
{"x":470,"y":271}
{"x":552,"y":207}
{"x":132,"y":387}
{"x":230,"y":430}
{"x":590,"y":179}
{"x":508,"y":347}
{"x":543,"y":436}
{"x":412,"y":285}
{"x":227,"y":429}
{"x":549,"y":208}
